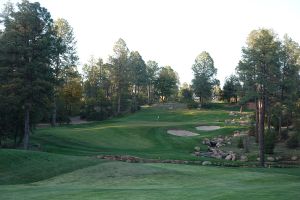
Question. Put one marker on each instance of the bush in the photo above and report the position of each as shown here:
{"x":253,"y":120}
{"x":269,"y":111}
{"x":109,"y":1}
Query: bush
{"x":269,"y":142}
{"x":207,"y":105}
{"x":293,"y":142}
{"x":192,"y":105}
{"x":240,"y":143}
{"x":284,"y":134}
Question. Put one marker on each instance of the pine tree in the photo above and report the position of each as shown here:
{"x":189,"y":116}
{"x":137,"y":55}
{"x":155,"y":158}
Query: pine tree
{"x":204,"y":73}
{"x":259,"y":70}
{"x":26,"y":54}
{"x":65,"y":60}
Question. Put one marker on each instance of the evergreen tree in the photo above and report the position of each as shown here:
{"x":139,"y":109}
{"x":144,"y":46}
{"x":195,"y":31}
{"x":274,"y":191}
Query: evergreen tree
{"x":260,"y":67}
{"x":204,"y":73}
{"x":231,"y":88}
{"x":166,"y":83}
{"x":25,"y":65}
{"x":65,"y":60}
{"x":152,"y":73}
{"x":138,"y":75}
{"x":120,"y":72}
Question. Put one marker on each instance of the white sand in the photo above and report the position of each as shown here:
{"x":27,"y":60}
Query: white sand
{"x":182,"y":133}
{"x":208,"y":128}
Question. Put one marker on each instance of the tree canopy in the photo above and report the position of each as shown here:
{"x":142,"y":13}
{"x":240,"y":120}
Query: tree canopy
{"x":204,"y":76}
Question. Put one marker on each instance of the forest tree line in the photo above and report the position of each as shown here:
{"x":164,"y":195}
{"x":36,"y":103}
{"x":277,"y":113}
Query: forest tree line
{"x":40,"y":82}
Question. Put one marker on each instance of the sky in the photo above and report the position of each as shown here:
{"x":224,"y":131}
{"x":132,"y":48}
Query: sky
{"x":174,"y":32}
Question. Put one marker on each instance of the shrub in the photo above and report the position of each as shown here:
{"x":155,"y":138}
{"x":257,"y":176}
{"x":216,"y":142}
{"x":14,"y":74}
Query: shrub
{"x":240,"y":143}
{"x":284,"y":134}
{"x":269,"y":142}
{"x":207,"y":105}
{"x":192,"y":105}
{"x":293,"y":142}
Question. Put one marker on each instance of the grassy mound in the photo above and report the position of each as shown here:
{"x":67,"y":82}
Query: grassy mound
{"x":117,"y":180}
{"x":17,"y":166}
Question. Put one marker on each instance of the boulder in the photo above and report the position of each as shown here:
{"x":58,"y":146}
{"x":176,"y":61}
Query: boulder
{"x":236,"y":134}
{"x":197,"y":148}
{"x":233,"y":157}
{"x":231,"y":113}
{"x":270,"y":158}
{"x":278,"y":158}
{"x":100,"y":157}
{"x":215,"y":151}
{"x":206,"y":163}
{"x":197,"y":153}
{"x":294,"y":158}
{"x":205,"y":141}
{"x":218,"y":156}
{"x":244,"y":158}
{"x":228,"y":157}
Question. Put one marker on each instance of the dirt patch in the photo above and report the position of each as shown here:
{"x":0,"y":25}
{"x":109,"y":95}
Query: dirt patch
{"x":182,"y":133}
{"x":207,"y":128}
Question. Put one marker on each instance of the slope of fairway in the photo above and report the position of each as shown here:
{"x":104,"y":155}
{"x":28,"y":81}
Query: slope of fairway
{"x":17,"y":166}
{"x":141,"y":134}
{"x":118,"y":180}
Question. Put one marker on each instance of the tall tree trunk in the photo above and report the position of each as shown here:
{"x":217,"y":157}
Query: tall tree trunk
{"x":54,"y":113}
{"x":279,"y":125}
{"x":26,"y":129}
{"x":148,"y":88}
{"x":134,"y":102}
{"x":268,"y":107}
{"x":287,"y":125}
{"x":256,"y":119}
{"x":119,"y":104}
{"x":261,"y":131}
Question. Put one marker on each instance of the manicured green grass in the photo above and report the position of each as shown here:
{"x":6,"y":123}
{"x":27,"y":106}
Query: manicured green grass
{"x":68,"y":169}
{"x":118,"y":180}
{"x":140,"y":134}
{"x":17,"y":166}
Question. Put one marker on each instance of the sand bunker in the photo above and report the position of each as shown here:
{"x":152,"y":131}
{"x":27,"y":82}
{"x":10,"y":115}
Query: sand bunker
{"x":182,"y":133}
{"x":208,"y":128}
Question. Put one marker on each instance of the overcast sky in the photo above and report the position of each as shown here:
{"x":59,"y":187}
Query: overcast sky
{"x":174,"y":32}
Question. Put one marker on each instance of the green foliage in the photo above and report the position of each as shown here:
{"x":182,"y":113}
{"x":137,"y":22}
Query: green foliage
{"x":119,"y":73}
{"x":27,"y":47}
{"x":185,"y":93}
{"x":231,"y":88}
{"x":138,"y":77}
{"x":270,"y":139}
{"x":240,"y":143}
{"x":152,"y":74}
{"x":293,"y":141}
{"x":166,"y":83}
{"x":204,"y":73}
{"x":192,"y":104}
